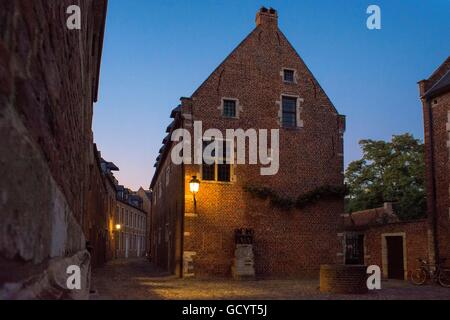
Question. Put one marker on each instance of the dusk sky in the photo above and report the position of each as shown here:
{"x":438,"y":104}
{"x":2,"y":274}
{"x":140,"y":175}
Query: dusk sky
{"x":158,"y":51}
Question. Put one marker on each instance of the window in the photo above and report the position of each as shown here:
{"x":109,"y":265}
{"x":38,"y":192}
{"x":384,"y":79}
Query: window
{"x":288,"y":75}
{"x":223,"y":172}
{"x":229,"y":108}
{"x":289,"y":106}
{"x":354,"y":248}
{"x":208,"y":173}
{"x":217,"y":171}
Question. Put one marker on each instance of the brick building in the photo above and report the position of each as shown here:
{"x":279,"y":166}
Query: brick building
{"x":262,"y":84}
{"x":146,"y":196}
{"x":49,"y":78}
{"x":435,"y":96}
{"x":377,"y":237}
{"x":110,"y":201}
{"x":132,"y":218}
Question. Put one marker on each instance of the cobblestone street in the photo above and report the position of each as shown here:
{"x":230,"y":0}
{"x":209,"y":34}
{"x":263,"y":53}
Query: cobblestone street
{"x":136,"y":279}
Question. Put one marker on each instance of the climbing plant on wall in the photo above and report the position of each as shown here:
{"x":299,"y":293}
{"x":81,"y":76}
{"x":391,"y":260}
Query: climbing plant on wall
{"x":302,"y":201}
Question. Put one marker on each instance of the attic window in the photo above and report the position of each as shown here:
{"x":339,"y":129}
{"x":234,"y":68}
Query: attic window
{"x":229,"y":108}
{"x":288,"y":75}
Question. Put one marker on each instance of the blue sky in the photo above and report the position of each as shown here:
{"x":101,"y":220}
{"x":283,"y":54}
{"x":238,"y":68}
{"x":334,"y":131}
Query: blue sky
{"x":158,"y":51}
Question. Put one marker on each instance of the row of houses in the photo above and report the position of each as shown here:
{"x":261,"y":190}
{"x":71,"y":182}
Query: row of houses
{"x":264,"y":84}
{"x":121,"y":232}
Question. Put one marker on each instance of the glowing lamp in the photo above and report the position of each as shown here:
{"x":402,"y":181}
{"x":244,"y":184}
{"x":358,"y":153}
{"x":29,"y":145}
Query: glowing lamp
{"x":194,"y":185}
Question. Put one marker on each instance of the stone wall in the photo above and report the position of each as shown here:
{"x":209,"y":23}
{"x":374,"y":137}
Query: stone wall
{"x":48,"y":84}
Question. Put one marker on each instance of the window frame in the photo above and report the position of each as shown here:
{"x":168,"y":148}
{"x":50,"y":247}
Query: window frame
{"x":237,"y":108}
{"x":224,"y":103}
{"x":294,"y":75}
{"x":216,"y":165}
{"x":294,"y":112}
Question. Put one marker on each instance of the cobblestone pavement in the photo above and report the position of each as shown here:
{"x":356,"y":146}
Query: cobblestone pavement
{"x":137,"y":279}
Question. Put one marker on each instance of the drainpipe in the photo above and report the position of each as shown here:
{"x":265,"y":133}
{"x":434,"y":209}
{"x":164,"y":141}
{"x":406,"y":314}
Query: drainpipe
{"x":182,"y":220}
{"x":433,"y":183}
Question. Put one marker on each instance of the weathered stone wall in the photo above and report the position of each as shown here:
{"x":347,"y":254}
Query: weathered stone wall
{"x":48,"y":83}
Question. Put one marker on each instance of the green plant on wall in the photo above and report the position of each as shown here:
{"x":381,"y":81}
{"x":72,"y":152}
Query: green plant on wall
{"x":302,"y":201}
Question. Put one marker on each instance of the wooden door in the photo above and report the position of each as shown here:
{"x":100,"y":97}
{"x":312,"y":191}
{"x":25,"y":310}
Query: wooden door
{"x":396,"y":268}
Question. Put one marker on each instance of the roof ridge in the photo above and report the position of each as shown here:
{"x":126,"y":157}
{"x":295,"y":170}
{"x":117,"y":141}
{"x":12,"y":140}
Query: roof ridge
{"x":437,"y":83}
{"x":439,"y":67}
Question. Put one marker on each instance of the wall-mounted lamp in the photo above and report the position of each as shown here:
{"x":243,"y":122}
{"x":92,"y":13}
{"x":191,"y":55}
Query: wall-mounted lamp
{"x":118,"y":227}
{"x":194,"y":186}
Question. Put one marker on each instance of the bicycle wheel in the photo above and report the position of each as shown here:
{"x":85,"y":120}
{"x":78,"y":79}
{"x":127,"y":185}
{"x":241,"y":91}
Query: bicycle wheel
{"x":418,"y":277}
{"x":444,"y":278}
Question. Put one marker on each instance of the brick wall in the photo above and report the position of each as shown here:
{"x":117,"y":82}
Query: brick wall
{"x":166,"y":231}
{"x":311,"y":155}
{"x":344,"y":279}
{"x":416,"y":239}
{"x":48,"y":83}
{"x":436,"y":109}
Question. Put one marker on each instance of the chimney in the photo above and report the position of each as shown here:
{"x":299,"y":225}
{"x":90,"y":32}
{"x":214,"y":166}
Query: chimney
{"x":267,"y":17}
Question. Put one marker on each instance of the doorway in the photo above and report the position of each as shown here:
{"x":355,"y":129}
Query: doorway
{"x":395,"y":257}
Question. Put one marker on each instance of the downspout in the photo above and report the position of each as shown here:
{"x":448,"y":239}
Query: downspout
{"x":433,"y":183}
{"x":182,"y":221}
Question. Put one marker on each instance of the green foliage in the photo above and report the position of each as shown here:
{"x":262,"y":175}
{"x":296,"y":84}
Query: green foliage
{"x":302,"y":201}
{"x":389,"y":171}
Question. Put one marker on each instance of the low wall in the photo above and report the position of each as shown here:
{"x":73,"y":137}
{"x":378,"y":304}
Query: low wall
{"x":417,"y":242}
{"x":347,"y":279}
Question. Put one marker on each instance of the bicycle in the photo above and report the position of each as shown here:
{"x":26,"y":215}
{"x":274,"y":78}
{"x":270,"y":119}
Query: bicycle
{"x":439,"y":275}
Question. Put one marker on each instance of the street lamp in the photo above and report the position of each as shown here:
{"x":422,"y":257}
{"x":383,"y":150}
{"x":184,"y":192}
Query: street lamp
{"x":194,"y":186}
{"x":118,"y":227}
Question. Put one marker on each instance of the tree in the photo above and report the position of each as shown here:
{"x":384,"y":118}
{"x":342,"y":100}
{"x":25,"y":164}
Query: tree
{"x":389,"y":172}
